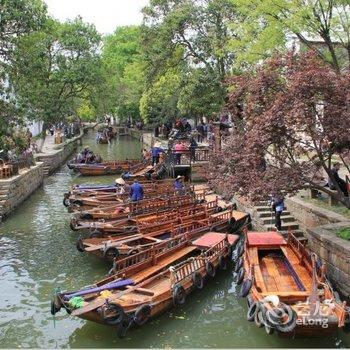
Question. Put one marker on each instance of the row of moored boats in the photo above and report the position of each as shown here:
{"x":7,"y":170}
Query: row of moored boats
{"x":165,"y":246}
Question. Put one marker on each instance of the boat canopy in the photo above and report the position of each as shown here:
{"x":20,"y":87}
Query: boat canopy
{"x":262,"y":239}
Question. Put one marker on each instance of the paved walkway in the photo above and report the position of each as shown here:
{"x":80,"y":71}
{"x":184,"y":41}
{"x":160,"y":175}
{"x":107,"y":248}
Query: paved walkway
{"x":49,"y":145}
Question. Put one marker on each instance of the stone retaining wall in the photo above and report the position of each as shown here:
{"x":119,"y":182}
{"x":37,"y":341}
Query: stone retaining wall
{"x":310,"y":216}
{"x":335,"y":252}
{"x":16,"y":189}
{"x":56,"y":158}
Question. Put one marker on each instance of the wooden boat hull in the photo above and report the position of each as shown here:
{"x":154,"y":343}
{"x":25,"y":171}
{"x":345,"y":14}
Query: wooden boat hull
{"x":107,"y":168}
{"x":286,"y":290}
{"x":159,"y":291}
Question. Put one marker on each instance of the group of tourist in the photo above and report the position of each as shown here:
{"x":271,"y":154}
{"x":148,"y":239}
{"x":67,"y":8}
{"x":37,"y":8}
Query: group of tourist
{"x":87,"y":156}
{"x":136,"y":190}
{"x":69,"y":130}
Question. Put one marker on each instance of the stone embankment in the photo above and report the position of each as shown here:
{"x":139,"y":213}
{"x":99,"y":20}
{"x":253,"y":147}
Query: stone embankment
{"x":56,"y":155}
{"x":16,"y":189}
{"x":334,"y":252}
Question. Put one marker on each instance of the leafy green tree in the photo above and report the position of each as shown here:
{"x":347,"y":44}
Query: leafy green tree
{"x":124,"y":72}
{"x":53,"y":68}
{"x":18,"y":18}
{"x":201,"y":94}
{"x":190,"y":38}
{"x":265,"y":26}
{"x":159,"y":103}
{"x":201,"y":28}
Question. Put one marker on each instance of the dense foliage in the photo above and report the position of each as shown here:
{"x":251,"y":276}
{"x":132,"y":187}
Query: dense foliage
{"x":291,"y":117}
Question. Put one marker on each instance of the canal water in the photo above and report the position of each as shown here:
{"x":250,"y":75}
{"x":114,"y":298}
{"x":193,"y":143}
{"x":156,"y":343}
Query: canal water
{"x":38,"y":254}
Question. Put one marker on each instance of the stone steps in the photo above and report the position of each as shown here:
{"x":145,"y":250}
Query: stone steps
{"x":267,"y":214}
{"x":266,"y":220}
{"x":293,"y":225}
{"x":284,"y":219}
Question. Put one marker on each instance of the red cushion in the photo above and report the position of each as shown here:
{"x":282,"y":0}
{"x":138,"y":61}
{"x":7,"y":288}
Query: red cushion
{"x":265,"y":238}
{"x":211,"y":238}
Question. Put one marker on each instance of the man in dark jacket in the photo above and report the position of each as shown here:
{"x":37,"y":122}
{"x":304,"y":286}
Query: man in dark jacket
{"x":341,"y":183}
{"x":136,"y":191}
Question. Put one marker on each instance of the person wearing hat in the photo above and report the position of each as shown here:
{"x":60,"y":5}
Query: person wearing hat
{"x":136,"y":191}
{"x":120,"y":186}
{"x":156,"y":151}
{"x":179,"y":186}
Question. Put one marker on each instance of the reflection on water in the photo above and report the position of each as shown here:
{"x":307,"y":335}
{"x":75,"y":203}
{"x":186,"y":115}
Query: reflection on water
{"x":38,"y":254}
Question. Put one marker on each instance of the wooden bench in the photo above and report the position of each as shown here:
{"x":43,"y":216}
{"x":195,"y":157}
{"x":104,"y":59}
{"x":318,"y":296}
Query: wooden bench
{"x":331,"y":200}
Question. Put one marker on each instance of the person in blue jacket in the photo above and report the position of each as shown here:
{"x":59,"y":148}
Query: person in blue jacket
{"x":136,"y":191}
{"x":156,"y":151}
{"x":179,"y":186}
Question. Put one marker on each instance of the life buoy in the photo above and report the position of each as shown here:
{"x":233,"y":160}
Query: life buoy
{"x":118,"y":314}
{"x":96,"y":234}
{"x":222,"y":263}
{"x":80,"y":245}
{"x":210,"y":269}
{"x":239,"y":250}
{"x":55,"y":306}
{"x":72,"y":226}
{"x":258,"y":319}
{"x":245,"y":288}
{"x":112,"y":272}
{"x":124,"y":326}
{"x":110,"y":253}
{"x":269,"y":330}
{"x":77,"y":202}
{"x":197,"y":280}
{"x":239,"y":276}
{"x":142,"y":315}
{"x":289,"y":324}
{"x":238,"y":264}
{"x":249,"y":300}
{"x":86,"y":216}
{"x":179,"y":295}
{"x":252,"y":310}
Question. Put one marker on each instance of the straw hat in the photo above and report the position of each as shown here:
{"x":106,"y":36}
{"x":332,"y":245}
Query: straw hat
{"x":179,"y":177}
{"x":120,"y":181}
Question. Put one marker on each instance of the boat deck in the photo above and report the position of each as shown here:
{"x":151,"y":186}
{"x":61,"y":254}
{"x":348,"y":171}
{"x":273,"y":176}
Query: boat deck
{"x":283,"y":274}
{"x":162,"y":263}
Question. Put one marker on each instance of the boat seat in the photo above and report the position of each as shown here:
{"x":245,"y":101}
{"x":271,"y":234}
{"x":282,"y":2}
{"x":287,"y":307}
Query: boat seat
{"x":142,"y":291}
{"x":162,"y":263}
{"x":301,"y":271}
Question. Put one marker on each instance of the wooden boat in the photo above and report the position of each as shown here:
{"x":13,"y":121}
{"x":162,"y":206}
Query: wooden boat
{"x":117,"y":247}
{"x":107,"y":168}
{"x":117,"y":212}
{"x":150,"y":172}
{"x":86,"y":188}
{"x":106,"y":190}
{"x":148,"y":224}
{"x":79,"y":203}
{"x":150,"y":282}
{"x":138,"y":221}
{"x":286,"y":287}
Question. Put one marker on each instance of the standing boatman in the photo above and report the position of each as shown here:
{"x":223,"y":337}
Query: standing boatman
{"x":136,"y":191}
{"x":179,"y":186}
{"x":278,"y":207}
{"x":156,"y":151}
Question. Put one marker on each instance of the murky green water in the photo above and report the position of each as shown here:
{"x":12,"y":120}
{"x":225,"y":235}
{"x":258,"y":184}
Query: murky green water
{"x":38,"y":254}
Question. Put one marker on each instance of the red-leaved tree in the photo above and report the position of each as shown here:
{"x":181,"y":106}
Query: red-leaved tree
{"x":292,"y":118}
